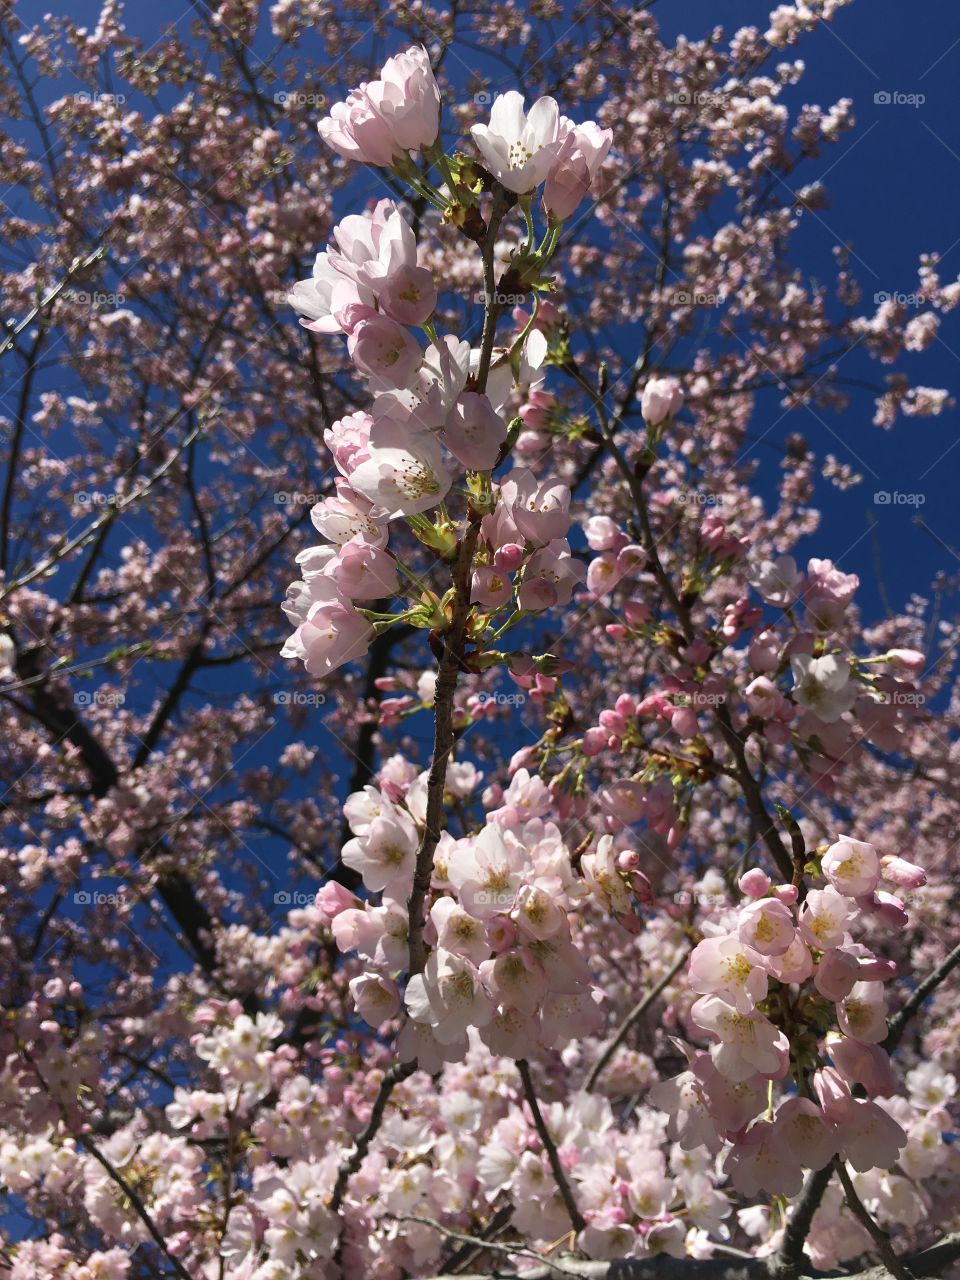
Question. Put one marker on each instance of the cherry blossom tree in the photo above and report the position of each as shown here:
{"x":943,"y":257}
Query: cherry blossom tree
{"x":559,"y":879}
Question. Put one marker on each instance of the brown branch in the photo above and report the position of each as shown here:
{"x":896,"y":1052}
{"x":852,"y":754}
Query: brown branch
{"x":880,"y":1238}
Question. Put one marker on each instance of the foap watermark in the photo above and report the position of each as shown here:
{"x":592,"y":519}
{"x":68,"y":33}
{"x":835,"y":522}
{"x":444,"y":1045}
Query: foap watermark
{"x":899,"y":698}
{"x":697,"y":98}
{"x":483,"y":299}
{"x":699,"y":498}
{"x":894,"y":498}
{"x":99,"y":698}
{"x":685,"y":898}
{"x":896,"y":98}
{"x":501,"y":699}
{"x":903,"y":299}
{"x":483,"y":98}
{"x":95,"y":299}
{"x":697,"y":298}
{"x":86,"y":499}
{"x":94,"y":898}
{"x":699,"y":699}
{"x":296,"y":498}
{"x":293,"y":898}
{"x":95,"y":98}
{"x":284,"y":98}
{"x":296,"y":698}
{"x":499,"y":899}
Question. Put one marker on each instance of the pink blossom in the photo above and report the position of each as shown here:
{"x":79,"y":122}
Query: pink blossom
{"x":749,"y":1044}
{"x":448,"y":997}
{"x":901,"y":872}
{"x":490,"y":587}
{"x":778,"y":581}
{"x":823,"y":685}
{"x":862,"y":1014}
{"x":474,"y":432}
{"x":398,"y":112}
{"x":404,"y":472}
{"x":767,"y":926}
{"x":828,"y":592}
{"x":868,"y":1137}
{"x":331,"y":634}
{"x":851,"y":866}
{"x":725,"y":967}
{"x":805,"y":1131}
{"x":575,"y":166}
{"x":824,"y":918}
{"x":383,"y":349}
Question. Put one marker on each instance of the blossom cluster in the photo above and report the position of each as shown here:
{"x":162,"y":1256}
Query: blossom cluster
{"x":438,"y":409}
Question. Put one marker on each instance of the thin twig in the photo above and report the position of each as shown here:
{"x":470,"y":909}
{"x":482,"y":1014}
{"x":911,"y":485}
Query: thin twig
{"x":635,"y":1014}
{"x":898,"y":1023}
{"x":398,"y":1072}
{"x":517,"y":1250}
{"x":563,"y":1186}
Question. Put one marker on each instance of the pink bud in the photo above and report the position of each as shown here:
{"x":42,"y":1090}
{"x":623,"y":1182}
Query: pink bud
{"x":786,"y":893}
{"x":594,"y":742}
{"x":613,"y":722}
{"x":636,"y":613}
{"x":754,"y":883}
{"x":901,"y":872}
{"x":509,"y":557}
{"x":906,"y":659}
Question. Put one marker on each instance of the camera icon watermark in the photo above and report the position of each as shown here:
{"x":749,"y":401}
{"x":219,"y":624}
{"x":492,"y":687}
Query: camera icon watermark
{"x":85,"y":499}
{"x":292,"y":898}
{"x":296,"y":698}
{"x":483,"y":98}
{"x":96,"y":299}
{"x":699,"y":699}
{"x":895,"y":98}
{"x":696,"y":98}
{"x":894,"y":498}
{"x":484,"y":299}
